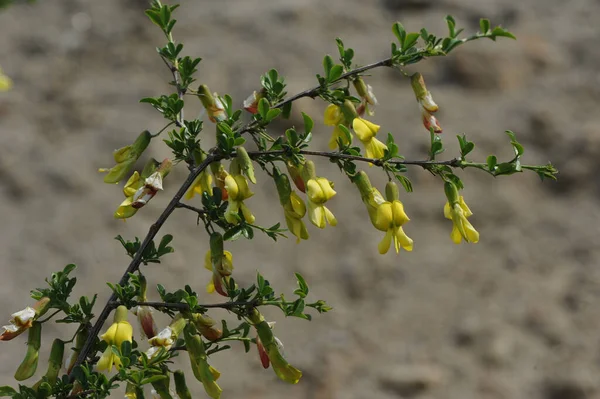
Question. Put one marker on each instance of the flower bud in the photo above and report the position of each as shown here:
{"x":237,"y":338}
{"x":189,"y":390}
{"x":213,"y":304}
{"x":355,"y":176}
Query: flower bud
{"x":423,"y":95}
{"x":144,"y":313}
{"x":181,"y":386}
{"x":365,"y":92}
{"x":262,"y":353}
{"x":80,"y":339}
{"x":363,"y":184}
{"x":54,"y":363}
{"x":282,"y":368}
{"x":245,"y":163}
{"x":284,"y":188}
{"x":30,"y":362}
{"x":206,"y":326}
{"x":295,"y":172}
{"x":391,"y":191}
{"x":349,"y":111}
{"x":203,"y":372}
{"x":213,"y":105}
{"x":370,"y":196}
{"x":308,"y":171}
{"x":451,"y":192}
{"x":361,"y":87}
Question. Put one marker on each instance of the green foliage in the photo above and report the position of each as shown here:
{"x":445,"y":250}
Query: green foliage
{"x":226,"y":217}
{"x":151,"y":253}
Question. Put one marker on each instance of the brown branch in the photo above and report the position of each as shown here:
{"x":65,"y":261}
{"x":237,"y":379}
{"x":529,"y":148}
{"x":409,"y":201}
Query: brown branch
{"x":200,"y":212}
{"x":378,"y":162}
{"x":136,"y":261}
{"x":185,"y":306}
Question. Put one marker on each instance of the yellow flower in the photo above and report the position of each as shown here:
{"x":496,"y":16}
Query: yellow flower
{"x":126,"y":157}
{"x":389,"y":218}
{"x":366,"y":131}
{"x":294,"y":208}
{"x":319,"y":191}
{"x":5,"y":82}
{"x":458,"y":212}
{"x":335,"y":117}
{"x":201,"y":184}
{"x":119,"y":332}
{"x":294,"y":211}
{"x":238,"y":191}
{"x":221,"y":269}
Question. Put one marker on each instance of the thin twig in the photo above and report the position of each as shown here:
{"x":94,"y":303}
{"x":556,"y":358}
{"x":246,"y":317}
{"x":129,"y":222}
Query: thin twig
{"x":191,"y":208}
{"x":180,"y":92}
{"x":336,"y":155}
{"x":185,"y":306}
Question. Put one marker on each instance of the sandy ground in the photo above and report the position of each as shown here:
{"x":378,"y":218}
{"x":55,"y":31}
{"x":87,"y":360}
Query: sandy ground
{"x":515,"y":316}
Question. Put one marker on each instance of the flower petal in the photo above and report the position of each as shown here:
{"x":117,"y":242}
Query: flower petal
{"x":384,"y":245}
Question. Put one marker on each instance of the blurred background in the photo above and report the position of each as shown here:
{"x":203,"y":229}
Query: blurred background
{"x":514,"y":316}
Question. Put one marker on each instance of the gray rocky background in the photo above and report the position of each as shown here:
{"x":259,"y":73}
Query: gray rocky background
{"x":515,"y":316}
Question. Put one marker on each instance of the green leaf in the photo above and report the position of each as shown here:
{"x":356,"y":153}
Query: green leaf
{"x":302,"y":290}
{"x":272,"y":114}
{"x":234,"y":233}
{"x":410,"y":41}
{"x":155,"y":17}
{"x":167,"y":238}
{"x":484,"y":25}
{"x":287,"y":110}
{"x":335,"y":73}
{"x":308,"y":123}
{"x":346,"y":132}
{"x":451,"y":25}
{"x":450,"y":44}
{"x":7,"y":391}
{"x":491,"y":162}
{"x":327,"y":65}
{"x":405,"y":182}
{"x":519,"y":150}
{"x":153,"y":378}
{"x":500,"y":32}
{"x":466,"y":146}
{"x":400,"y":33}
{"x":263,"y":109}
